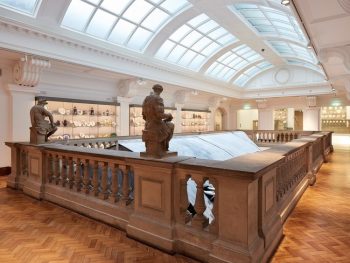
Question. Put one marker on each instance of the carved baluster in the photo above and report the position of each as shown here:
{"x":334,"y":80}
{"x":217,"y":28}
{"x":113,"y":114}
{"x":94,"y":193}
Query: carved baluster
{"x":70,"y":179}
{"x":64,"y":173}
{"x":125,"y":184}
{"x":104,"y":187}
{"x":57,"y":169}
{"x":282,"y":137}
{"x":86,"y":179}
{"x":77,"y":184}
{"x":49,"y":167}
{"x":113,"y":197}
{"x":95,"y":183}
{"x":199,"y":221}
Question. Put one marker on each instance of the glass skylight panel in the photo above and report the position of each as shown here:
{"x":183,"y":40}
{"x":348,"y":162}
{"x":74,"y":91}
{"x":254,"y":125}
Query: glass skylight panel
{"x":25,"y":6}
{"x":293,"y":50}
{"x":197,"y":40}
{"x":251,"y":72}
{"x":270,"y":21}
{"x":233,"y":61}
{"x":129,"y":23}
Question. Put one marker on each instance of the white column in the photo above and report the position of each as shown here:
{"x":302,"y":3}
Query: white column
{"x":311,"y":119}
{"x":178,"y":118}
{"x":290,"y":118}
{"x":232,"y":119}
{"x":22,"y":100}
{"x":124,"y":115}
{"x":212,"y":118}
{"x":266,"y":119}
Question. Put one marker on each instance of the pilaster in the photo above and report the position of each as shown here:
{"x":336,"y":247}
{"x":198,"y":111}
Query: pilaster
{"x":124,"y":115}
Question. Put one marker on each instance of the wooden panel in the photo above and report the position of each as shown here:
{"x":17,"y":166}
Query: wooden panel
{"x":152,"y":194}
{"x":34,"y":166}
{"x":269,"y":195}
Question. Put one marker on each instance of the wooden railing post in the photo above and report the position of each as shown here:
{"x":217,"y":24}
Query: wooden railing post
{"x":113,"y":197}
{"x":125,"y":184}
{"x":57,"y":169}
{"x":70,"y":178}
{"x":86,"y":179}
{"x":95,"y":183}
{"x":77,"y":184}
{"x":104,"y":190}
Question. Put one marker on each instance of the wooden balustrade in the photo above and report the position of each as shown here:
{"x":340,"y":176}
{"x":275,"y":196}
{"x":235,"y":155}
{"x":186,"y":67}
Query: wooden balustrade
{"x":148,"y":198}
{"x":272,"y":136}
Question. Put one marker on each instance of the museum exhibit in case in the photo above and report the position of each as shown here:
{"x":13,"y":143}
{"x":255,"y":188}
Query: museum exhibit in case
{"x":195,"y":120}
{"x":80,"y":119}
{"x":335,"y":118}
{"x":280,"y":119}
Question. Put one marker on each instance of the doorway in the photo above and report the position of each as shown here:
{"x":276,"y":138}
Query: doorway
{"x":298,"y":120}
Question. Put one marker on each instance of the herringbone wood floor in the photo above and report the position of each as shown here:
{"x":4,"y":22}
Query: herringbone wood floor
{"x":318,"y":230}
{"x":34,"y":231}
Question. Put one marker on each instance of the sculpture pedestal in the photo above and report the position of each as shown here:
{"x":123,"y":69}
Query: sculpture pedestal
{"x":166,"y":154}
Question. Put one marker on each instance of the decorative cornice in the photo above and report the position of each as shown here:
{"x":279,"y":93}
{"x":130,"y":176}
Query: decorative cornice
{"x":343,"y":53}
{"x":26,"y":72}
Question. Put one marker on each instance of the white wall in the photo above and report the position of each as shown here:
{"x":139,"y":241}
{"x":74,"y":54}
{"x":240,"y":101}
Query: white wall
{"x":266,"y":119}
{"x":311,"y":119}
{"x":245,"y":119}
{"x":5,"y":115}
{"x":290,"y":118}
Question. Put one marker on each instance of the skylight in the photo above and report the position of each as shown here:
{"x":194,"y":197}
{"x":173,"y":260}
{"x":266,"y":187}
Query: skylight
{"x":251,"y":72}
{"x":270,"y":21}
{"x":191,"y":44}
{"x":286,"y":49}
{"x":128,"y":23}
{"x":24,"y":6}
{"x":225,"y":67}
{"x":305,"y":64}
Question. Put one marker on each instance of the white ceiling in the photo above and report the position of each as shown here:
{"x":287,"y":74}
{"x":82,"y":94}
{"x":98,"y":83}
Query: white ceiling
{"x":43,"y":35}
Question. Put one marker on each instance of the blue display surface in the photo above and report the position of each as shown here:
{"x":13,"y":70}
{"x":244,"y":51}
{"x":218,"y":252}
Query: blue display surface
{"x":212,"y":146}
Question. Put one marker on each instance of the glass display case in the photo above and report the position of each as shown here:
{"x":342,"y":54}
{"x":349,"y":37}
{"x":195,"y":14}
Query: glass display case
{"x":137,"y":123}
{"x":78,"y":119}
{"x":195,"y":121}
{"x":335,"y":119}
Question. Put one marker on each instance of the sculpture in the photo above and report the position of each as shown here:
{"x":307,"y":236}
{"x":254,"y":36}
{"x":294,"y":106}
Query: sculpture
{"x":41,"y":129}
{"x":158,"y":126}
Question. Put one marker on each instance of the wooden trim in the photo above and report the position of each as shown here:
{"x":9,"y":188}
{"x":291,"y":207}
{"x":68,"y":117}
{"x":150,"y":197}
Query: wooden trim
{"x":5,"y":170}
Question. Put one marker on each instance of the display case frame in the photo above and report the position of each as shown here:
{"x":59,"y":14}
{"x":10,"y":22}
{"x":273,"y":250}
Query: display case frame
{"x":83,"y":119}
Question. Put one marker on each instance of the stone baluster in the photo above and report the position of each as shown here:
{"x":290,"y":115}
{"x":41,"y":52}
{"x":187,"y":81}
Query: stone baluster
{"x":86,"y":178}
{"x":95,"y":183}
{"x":113,"y":197}
{"x":50,"y":168}
{"x":78,"y":178}
{"x":64,"y":173}
{"x":70,"y":179}
{"x":125,"y":184}
{"x":104,"y":186}
{"x":57,"y":170}
{"x":199,"y":221}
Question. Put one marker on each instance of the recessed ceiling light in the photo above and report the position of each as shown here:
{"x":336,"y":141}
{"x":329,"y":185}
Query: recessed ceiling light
{"x":285,"y":2}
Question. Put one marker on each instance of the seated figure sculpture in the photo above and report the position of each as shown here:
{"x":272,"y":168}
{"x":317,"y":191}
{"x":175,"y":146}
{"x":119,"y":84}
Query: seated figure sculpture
{"x":41,"y":129}
{"x":158,"y":126}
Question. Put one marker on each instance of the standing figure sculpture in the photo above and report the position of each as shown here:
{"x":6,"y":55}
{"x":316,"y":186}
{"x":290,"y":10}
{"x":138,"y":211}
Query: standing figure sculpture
{"x":41,"y":129}
{"x":158,"y":127}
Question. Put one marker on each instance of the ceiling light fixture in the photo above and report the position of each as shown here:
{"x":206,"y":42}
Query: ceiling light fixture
{"x":285,"y":2}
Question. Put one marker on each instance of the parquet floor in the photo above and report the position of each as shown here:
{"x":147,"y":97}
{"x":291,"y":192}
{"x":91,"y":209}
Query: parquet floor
{"x":41,"y":232}
{"x":318,"y":230}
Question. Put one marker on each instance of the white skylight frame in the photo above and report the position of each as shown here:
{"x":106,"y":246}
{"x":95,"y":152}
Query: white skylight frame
{"x":252,"y":72}
{"x":27,"y":7}
{"x":194,"y":42}
{"x":227,"y":66}
{"x":295,"y":62}
{"x":270,"y":21}
{"x":286,"y":49}
{"x":131,"y":23}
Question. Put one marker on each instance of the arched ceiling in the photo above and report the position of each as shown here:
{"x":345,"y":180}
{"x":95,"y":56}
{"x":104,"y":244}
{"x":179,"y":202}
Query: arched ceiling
{"x":225,"y":43}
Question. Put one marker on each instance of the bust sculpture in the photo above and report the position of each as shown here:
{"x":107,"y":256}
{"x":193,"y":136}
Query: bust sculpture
{"x":158,"y":126}
{"x":41,"y":129}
